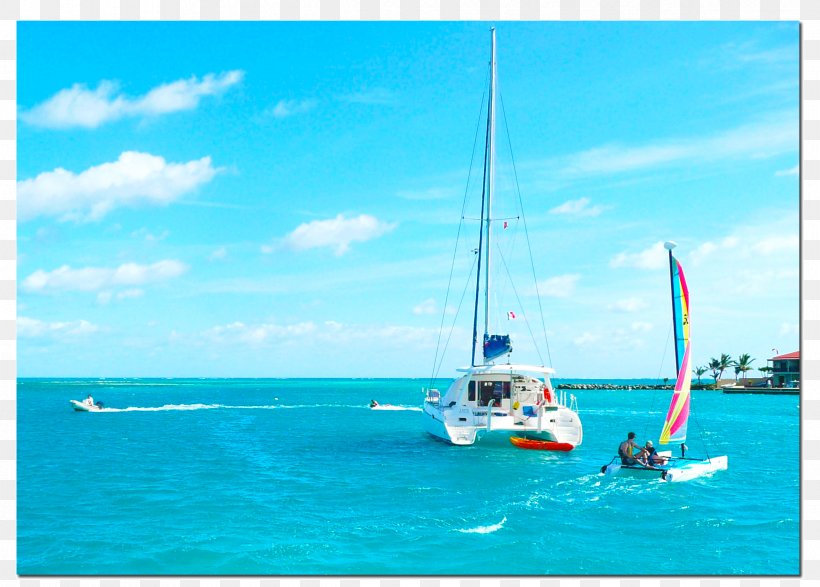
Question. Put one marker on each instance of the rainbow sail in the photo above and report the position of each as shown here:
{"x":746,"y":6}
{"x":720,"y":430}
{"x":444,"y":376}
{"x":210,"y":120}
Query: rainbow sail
{"x":680,"y":309}
{"x":674,"y":428}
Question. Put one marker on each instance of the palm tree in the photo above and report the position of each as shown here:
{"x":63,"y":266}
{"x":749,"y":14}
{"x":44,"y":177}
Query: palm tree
{"x":737,"y":371}
{"x":699,"y":371}
{"x":714,"y":365}
{"x":765,"y":370}
{"x":725,"y":363}
{"x":743,"y":364}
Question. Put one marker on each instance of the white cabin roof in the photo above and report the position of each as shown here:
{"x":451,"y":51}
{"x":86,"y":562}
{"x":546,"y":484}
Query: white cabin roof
{"x":506,"y":369}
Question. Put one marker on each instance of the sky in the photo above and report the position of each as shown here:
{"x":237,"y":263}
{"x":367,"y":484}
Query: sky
{"x":299,"y":199}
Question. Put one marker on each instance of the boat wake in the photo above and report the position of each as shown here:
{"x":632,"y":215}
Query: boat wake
{"x":483,"y":529}
{"x":397,"y":408}
{"x":184,"y":408}
{"x":192,"y":407}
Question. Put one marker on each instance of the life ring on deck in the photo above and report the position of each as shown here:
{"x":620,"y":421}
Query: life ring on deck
{"x":547,"y":395}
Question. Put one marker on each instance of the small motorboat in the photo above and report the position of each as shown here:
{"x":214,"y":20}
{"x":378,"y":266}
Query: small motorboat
{"x":84,"y":407}
{"x":535,"y":444}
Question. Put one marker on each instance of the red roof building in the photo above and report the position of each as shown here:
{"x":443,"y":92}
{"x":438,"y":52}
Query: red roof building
{"x":786,"y":370}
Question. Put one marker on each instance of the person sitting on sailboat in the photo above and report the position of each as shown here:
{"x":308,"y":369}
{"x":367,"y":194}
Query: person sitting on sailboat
{"x":653,"y":459}
{"x":626,"y":451}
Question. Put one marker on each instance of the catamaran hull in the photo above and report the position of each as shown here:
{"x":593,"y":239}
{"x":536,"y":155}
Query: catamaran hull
{"x":694,"y":469}
{"x":458,"y":435}
{"x":679,"y":471}
{"x":566,"y":431}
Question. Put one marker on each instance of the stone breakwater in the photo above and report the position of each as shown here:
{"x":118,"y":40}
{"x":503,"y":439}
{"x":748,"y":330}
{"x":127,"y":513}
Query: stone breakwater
{"x":612,"y":386}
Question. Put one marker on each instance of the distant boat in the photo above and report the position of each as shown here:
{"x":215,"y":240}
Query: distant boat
{"x":496,"y":398}
{"x":680,"y":468}
{"x":85,"y":406}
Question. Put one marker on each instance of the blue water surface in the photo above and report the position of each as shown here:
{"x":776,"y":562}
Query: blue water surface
{"x":189,"y":476}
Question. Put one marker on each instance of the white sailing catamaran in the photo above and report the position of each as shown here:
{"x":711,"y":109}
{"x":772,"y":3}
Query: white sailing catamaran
{"x":680,"y":468}
{"x":495,"y":397}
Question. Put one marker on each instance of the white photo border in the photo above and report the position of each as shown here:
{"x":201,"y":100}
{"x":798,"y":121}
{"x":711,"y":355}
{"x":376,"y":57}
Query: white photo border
{"x":807,"y":11}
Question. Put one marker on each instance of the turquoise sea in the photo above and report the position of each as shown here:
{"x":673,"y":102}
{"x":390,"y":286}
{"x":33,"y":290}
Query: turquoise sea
{"x":298,"y":476}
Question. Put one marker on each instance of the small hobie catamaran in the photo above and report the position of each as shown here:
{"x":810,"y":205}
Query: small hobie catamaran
{"x":680,"y":468}
{"x":497,"y":399}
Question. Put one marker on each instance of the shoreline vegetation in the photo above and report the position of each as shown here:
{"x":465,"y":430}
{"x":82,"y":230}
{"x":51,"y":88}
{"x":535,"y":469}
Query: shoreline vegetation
{"x":717,"y":366}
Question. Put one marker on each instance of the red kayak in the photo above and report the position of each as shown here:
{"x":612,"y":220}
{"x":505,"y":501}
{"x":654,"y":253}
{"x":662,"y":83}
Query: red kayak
{"x":540,"y":444}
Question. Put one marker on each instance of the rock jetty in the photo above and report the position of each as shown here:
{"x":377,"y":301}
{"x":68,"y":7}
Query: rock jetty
{"x":612,"y":386}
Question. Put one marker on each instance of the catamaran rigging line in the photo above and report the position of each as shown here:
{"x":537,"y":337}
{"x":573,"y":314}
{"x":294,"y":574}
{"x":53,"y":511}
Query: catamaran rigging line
{"x":494,"y":398}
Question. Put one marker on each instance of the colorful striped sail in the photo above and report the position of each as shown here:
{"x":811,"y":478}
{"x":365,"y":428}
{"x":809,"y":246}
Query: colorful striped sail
{"x":674,"y":428}
{"x":680,"y":309}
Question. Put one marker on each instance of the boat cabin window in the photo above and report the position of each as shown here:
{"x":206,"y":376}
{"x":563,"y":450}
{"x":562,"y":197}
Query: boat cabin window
{"x":488,"y":390}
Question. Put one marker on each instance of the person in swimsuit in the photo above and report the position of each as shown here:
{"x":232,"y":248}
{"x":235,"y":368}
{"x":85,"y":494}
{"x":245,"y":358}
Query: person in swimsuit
{"x":626,"y":451}
{"x":653,"y":459}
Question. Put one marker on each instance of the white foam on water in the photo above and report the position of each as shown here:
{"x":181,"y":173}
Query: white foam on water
{"x":185,"y":408}
{"x":191,"y":407}
{"x":397,"y":408}
{"x":483,"y":529}
{"x":313,"y":406}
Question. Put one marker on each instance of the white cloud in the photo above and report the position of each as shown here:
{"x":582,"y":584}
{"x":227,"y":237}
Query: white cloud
{"x":708,"y":248}
{"x":370,"y":96}
{"x":218,"y":254}
{"x":254,"y":334}
{"x":426,"y":307}
{"x":560,"y":286}
{"x":585,"y":339}
{"x":133,"y":179}
{"x":143,"y":233}
{"x":130,"y":293}
{"x":79,"y":106}
{"x":654,"y":257}
{"x":791,"y":171}
{"x":105,"y":297}
{"x":33,"y":328}
{"x":777,"y":243}
{"x":95,"y":278}
{"x":789,"y":328}
{"x":755,"y":281}
{"x":337,"y":233}
{"x":330,"y":331}
{"x":628,"y":305}
{"x":286,"y":108}
{"x":640,"y":327}
{"x":735,"y":53}
{"x":749,"y":242}
{"x":770,"y":136}
{"x":578,"y":207}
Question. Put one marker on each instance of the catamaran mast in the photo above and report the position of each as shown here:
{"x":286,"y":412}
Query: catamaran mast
{"x":490,"y":184}
{"x":669,"y":245}
{"x":486,"y":198}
